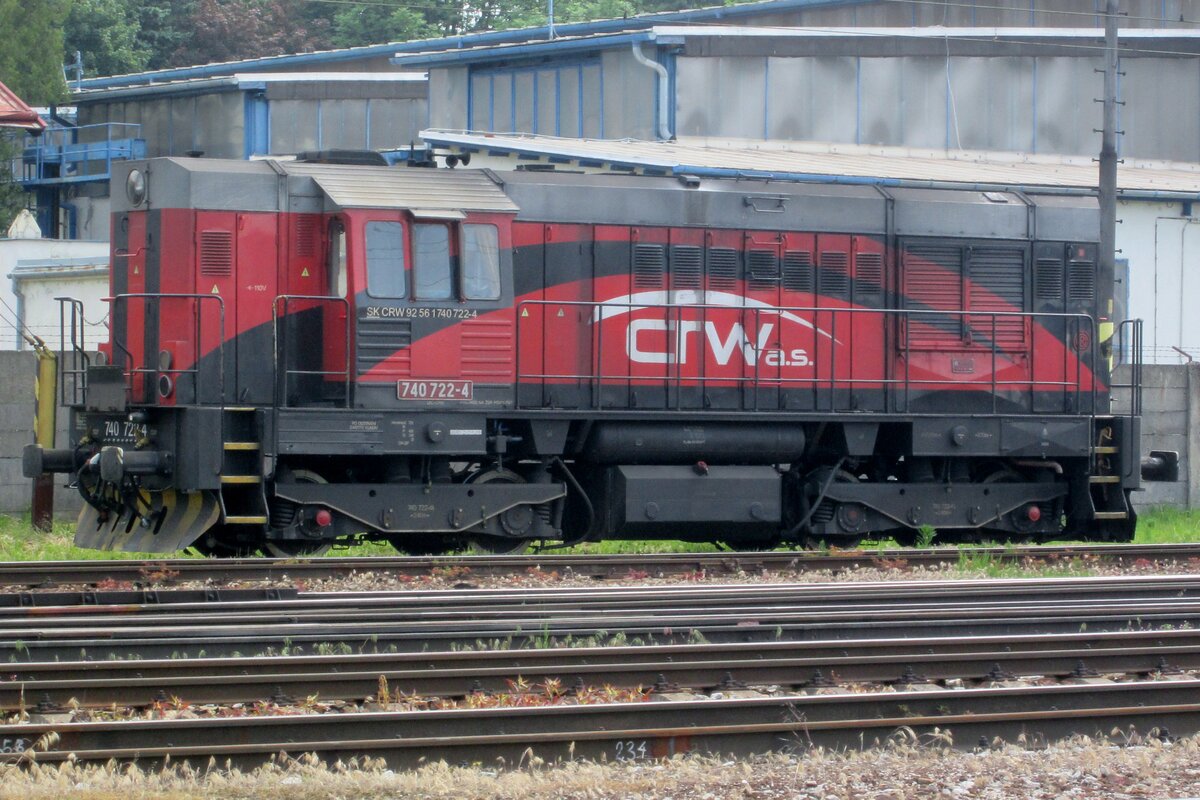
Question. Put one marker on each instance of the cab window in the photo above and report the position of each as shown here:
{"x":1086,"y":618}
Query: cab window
{"x":480,"y":262}
{"x":385,"y":260}
{"x":337,"y":259}
{"x":431,"y":262}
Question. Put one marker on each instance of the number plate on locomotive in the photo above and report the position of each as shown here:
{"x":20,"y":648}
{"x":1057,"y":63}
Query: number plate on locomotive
{"x":119,"y":430}
{"x":435,"y":390}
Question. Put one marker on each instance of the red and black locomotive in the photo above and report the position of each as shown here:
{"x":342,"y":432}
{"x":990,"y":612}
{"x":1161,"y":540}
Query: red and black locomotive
{"x":303,"y":353}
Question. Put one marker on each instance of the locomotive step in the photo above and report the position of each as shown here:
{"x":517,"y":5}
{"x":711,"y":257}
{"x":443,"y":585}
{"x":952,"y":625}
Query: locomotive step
{"x":246,"y":520}
{"x":1104,"y":479}
{"x":1110,"y":515}
{"x":241,"y":479}
{"x":1104,"y":450}
{"x":242,"y":445}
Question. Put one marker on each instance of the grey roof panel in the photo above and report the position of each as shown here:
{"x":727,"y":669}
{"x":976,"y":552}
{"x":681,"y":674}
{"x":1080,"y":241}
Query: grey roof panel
{"x":392,"y":187}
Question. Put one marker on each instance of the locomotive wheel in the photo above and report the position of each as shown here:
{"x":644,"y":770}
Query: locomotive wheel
{"x":298,"y":548}
{"x":844,"y":542}
{"x":424,"y":544}
{"x":515,"y":519}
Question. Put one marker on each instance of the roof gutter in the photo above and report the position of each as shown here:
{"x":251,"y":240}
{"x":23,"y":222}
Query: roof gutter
{"x":664,"y":129}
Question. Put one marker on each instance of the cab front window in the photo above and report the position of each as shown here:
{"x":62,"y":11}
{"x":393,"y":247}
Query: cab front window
{"x":431,"y":262}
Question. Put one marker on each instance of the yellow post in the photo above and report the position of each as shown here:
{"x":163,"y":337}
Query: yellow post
{"x":45,"y":390}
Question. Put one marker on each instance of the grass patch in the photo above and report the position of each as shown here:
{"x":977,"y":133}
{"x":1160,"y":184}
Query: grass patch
{"x":20,"y":542}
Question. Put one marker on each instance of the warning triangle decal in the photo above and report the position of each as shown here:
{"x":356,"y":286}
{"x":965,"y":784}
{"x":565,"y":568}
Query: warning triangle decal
{"x":304,"y":273}
{"x":215,"y":290}
{"x":560,"y":312}
{"x":524,"y":312}
{"x":135,"y":270}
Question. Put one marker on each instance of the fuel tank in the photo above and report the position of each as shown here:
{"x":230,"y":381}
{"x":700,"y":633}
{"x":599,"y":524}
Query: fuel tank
{"x":690,"y":442}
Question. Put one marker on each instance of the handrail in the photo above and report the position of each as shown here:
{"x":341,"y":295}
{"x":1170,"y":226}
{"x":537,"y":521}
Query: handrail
{"x":76,"y":368}
{"x":157,"y":297}
{"x":1079,"y":331}
{"x":282,"y":372}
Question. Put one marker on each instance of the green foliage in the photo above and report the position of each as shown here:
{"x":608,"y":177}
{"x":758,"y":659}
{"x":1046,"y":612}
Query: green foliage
{"x":106,"y":32}
{"x":32,"y":33}
{"x":12,"y":197}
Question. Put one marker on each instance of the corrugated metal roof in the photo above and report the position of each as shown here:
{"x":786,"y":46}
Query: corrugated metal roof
{"x":429,"y":190}
{"x":831,"y":163}
{"x":716,"y":12}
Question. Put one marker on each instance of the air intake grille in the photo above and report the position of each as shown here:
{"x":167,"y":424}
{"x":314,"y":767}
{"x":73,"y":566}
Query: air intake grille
{"x":649,"y":266}
{"x":722,"y":268}
{"x":216,"y":253}
{"x":1081,"y":282}
{"x":305,"y":245}
{"x":834,"y":277}
{"x":798,"y":271}
{"x":764,"y":269}
{"x":868,"y":274}
{"x":998,"y":284}
{"x":687,"y":267}
{"x":1048,"y":279}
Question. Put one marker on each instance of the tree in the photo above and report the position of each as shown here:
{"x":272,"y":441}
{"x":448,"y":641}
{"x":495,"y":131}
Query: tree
{"x":32,"y":32}
{"x":108,"y":34}
{"x":237,"y":29}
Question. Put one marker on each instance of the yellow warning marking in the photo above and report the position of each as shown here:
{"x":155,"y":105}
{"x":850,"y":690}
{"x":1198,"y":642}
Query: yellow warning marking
{"x":524,"y":312}
{"x":304,"y":272}
{"x":215,"y":290}
{"x":560,"y":313}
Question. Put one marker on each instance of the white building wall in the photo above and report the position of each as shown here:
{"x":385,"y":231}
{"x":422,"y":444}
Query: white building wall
{"x":15,"y":250}
{"x":1162,"y":246}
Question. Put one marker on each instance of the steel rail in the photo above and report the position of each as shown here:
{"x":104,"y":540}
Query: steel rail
{"x":697,"y":667}
{"x":56,"y":573}
{"x":628,"y":730}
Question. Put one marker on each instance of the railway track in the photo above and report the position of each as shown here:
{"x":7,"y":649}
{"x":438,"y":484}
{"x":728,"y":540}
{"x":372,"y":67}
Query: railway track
{"x":607,"y":567}
{"x":438,"y":621}
{"x":731,"y":669}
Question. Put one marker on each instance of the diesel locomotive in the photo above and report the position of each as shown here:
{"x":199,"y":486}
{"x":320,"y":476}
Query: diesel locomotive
{"x":303,"y":353}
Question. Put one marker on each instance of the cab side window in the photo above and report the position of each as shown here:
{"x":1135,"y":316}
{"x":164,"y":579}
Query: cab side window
{"x":385,"y":260}
{"x":431,"y":262}
{"x":480,"y":262}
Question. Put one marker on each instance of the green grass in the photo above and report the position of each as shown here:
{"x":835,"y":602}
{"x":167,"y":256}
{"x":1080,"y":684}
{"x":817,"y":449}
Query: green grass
{"x":20,"y":542}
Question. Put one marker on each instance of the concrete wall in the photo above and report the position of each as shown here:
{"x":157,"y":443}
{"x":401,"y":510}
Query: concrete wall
{"x":15,"y":250}
{"x":16,"y":430}
{"x":1170,"y":421}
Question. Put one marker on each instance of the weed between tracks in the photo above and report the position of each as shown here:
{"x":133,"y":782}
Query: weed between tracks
{"x":1078,"y":768}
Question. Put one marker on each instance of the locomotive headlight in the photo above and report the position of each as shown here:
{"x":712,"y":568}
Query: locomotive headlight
{"x":135,"y":187}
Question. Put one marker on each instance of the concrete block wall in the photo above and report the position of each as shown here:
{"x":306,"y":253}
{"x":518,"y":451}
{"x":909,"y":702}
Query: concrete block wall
{"x":17,"y":372}
{"x":1170,"y":421}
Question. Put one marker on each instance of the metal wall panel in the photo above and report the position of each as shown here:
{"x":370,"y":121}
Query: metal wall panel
{"x":523,"y":99}
{"x":568,"y":102}
{"x":721,"y":96}
{"x":812,"y":98}
{"x":293,"y":126}
{"x":395,"y":123}
{"x":902,"y":102}
{"x":503,"y":111}
{"x":184,"y":134}
{"x":156,"y":126}
{"x":448,"y":91}
{"x":545,"y":118}
{"x":593,"y":101}
{"x":629,"y":96}
{"x":343,"y":124}
{"x":1161,"y":115}
{"x":1065,"y":112}
{"x":992,"y":104}
{"x":482,"y":102}
{"x":220,"y":123}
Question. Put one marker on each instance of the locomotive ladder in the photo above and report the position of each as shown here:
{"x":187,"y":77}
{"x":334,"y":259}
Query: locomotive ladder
{"x":242,"y":498}
{"x":1106,"y":492}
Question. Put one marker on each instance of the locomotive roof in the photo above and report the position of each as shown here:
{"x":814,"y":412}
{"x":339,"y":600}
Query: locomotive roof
{"x":221,"y":184}
{"x":610,"y":199}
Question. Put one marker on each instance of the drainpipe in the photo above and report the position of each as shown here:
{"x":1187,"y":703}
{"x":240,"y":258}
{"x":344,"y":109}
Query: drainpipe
{"x":664,"y":130}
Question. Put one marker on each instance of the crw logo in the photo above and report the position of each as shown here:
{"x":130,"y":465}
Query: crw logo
{"x":656,"y":341}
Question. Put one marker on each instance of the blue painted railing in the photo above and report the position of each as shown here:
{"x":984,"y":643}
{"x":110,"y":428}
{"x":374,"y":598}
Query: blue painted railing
{"x":77,"y":155}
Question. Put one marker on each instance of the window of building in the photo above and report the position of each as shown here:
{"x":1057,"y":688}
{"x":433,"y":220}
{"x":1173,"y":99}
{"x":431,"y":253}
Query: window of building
{"x":480,"y":262}
{"x":431,"y":262}
{"x":385,"y":260}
